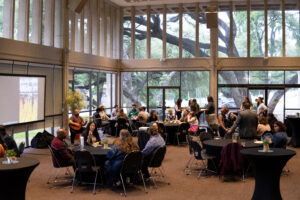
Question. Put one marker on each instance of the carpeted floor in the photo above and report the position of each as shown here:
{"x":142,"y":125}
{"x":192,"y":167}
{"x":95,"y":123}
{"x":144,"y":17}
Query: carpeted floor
{"x":182,"y":186}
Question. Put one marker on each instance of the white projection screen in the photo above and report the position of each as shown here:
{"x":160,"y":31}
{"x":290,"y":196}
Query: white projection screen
{"x":22,"y":99}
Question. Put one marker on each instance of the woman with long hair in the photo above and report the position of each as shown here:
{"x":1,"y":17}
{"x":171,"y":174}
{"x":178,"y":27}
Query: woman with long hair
{"x":261,"y":107}
{"x":263,"y":126}
{"x":246,"y":99}
{"x":153,"y":116}
{"x":178,"y":108}
{"x":116,"y":154}
{"x":91,"y":134}
{"x":193,"y":121}
{"x":222,"y":121}
{"x":279,"y":138}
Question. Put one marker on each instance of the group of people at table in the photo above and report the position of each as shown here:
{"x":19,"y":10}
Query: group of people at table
{"x":7,"y":142}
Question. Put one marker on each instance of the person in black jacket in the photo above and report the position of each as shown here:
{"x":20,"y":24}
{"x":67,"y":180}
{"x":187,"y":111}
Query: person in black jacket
{"x":8,"y":140}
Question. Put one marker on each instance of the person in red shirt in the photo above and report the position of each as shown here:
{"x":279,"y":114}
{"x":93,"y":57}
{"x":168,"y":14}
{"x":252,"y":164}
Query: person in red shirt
{"x":60,"y":150}
{"x":76,"y":124}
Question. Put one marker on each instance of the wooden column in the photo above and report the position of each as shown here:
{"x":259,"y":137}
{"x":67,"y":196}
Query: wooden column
{"x":13,"y":20}
{"x":27,"y":21}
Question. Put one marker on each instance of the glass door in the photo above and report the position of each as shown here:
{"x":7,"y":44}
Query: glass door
{"x":254,"y":94}
{"x":171,"y":96}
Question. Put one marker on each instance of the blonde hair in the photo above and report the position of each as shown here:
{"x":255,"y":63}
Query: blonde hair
{"x":125,"y":143}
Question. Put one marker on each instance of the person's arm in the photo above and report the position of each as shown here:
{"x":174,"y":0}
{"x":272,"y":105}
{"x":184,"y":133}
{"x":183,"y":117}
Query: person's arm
{"x":149,"y":147}
{"x":221,"y":122}
{"x":235,"y":125}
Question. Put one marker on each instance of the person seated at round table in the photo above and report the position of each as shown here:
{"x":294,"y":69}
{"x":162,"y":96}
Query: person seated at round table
{"x":171,"y":116}
{"x":153,"y":143}
{"x":262,"y":126}
{"x":153,"y":116}
{"x":279,"y":138}
{"x":222,"y":121}
{"x":133,"y":113}
{"x":193,"y":121}
{"x":8,"y":140}
{"x":115,"y":112}
{"x":184,"y":117}
{"x":142,"y":116}
{"x":2,"y":148}
{"x":116,"y":155}
{"x":122,"y":115}
{"x":271,"y":119}
{"x":90,"y":134}
{"x":60,"y":150}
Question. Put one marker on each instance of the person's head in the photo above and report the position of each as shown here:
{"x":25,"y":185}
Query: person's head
{"x":194,"y":101}
{"x":271,"y":117}
{"x":154,"y":130}
{"x":121,"y":111}
{"x":262,"y":120}
{"x":61,"y":134}
{"x":185,"y":112}
{"x":2,"y":131}
{"x":98,"y":110}
{"x":231,"y":116}
{"x":279,"y":127}
{"x":246,"y":99}
{"x":155,"y":125}
{"x":210,"y":99}
{"x":178,"y":102}
{"x":91,"y":127}
{"x":102,"y":107}
{"x":153,"y":113}
{"x":116,"y":107}
{"x":261,"y":114}
{"x":246,"y":105}
{"x":76,"y":112}
{"x":224,"y":110}
{"x":170,"y":111}
{"x":141,"y":109}
{"x":192,"y":114}
{"x":190,"y":102}
{"x":133,"y":106}
{"x":126,"y":143}
{"x":260,"y":100}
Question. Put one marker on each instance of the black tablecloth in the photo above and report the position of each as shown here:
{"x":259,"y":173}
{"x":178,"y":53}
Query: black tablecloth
{"x":267,"y":167}
{"x":95,"y":151}
{"x":293,"y":130}
{"x":171,"y":130}
{"x":14,"y":177}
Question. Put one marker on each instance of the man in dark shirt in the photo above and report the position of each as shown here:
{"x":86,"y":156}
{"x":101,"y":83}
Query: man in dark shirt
{"x":8,"y":140}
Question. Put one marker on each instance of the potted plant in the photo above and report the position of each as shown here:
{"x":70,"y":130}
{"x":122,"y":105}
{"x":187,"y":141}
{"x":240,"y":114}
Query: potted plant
{"x":75,"y":100}
{"x":266,"y":143}
{"x":10,"y":155}
{"x":105,"y":143}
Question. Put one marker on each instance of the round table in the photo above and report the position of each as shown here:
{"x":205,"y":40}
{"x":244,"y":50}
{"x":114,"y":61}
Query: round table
{"x":95,"y":151}
{"x":267,"y":167}
{"x":171,"y":129}
{"x":14,"y":177}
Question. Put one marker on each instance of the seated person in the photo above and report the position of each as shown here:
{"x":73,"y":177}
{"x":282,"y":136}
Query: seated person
{"x":193,"y":121}
{"x":184,"y":117}
{"x":97,"y":118}
{"x":133,"y":113}
{"x":115,"y":112}
{"x":262,"y":126}
{"x":155,"y":142}
{"x":2,"y":148}
{"x":122,"y":115}
{"x":143,"y":116}
{"x":76,"y":124}
{"x":115,"y":156}
{"x":102,"y":114}
{"x":279,"y":138}
{"x":171,"y":116}
{"x":271,"y":120}
{"x":60,"y":150}
{"x":153,"y":116}
{"x":8,"y":140}
{"x":90,"y":134}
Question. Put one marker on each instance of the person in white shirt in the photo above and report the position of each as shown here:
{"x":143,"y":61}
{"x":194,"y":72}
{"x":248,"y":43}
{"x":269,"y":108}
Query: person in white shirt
{"x":193,"y":121}
{"x":171,"y":116}
{"x":261,"y":107}
{"x":115,"y":112}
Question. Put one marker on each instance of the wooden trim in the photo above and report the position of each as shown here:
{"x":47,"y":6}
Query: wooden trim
{"x":180,"y":30}
{"x":82,"y":31}
{"x":148,"y":32}
{"x":231,"y":31}
{"x":41,"y":24}
{"x":283,"y":28}
{"x":164,"y":34}
{"x":52,"y":23}
{"x":248,"y":29}
{"x":27,"y":20}
{"x":121,"y":33}
{"x":266,"y":27}
{"x":98,"y":27}
{"x":132,"y":32}
{"x":197,"y":30}
{"x":13,"y":20}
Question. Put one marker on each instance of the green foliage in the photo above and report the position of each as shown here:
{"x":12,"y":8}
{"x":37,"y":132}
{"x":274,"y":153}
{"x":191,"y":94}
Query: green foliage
{"x":10,"y":153}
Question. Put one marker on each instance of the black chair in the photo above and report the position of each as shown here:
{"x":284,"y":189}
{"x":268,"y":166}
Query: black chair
{"x":200,"y":155}
{"x":187,"y":166}
{"x":137,"y":125}
{"x":131,"y":166}
{"x":162,"y":131}
{"x":57,"y":166}
{"x":121,"y":124}
{"x":183,"y":129}
{"x":156,"y":163}
{"x":85,"y":163}
{"x":21,"y":148}
{"x":143,"y":138}
{"x":98,"y":122}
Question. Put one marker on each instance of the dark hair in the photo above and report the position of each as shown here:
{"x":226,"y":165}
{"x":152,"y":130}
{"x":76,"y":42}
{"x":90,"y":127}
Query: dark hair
{"x":2,"y":130}
{"x":272,"y":116}
{"x":226,"y":109}
{"x":281,"y":126}
{"x":178,"y":102}
{"x":98,"y":110}
{"x":248,"y":100}
{"x":192,"y":113}
{"x":262,"y":120}
{"x":194,"y":101}
{"x":152,"y":112}
{"x":115,"y":106}
{"x":246,"y":105}
{"x":133,"y":104}
{"x":210,"y":99}
{"x":87,"y":130}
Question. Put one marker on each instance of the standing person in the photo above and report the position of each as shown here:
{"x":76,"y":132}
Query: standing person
{"x":91,"y":134}
{"x":210,"y":111}
{"x":115,"y":156}
{"x":190,"y":104}
{"x":76,"y":124}
{"x":247,"y":122}
{"x":8,"y":140}
{"x":115,"y":111}
{"x":97,"y":118}
{"x":178,"y":108}
{"x":196,"y":108}
{"x":261,"y":107}
{"x":193,"y":121}
{"x":133,"y":113}
{"x":246,"y":99}
{"x":222,"y":121}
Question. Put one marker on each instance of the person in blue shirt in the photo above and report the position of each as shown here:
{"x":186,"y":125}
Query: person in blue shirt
{"x":155,"y":142}
{"x":279,"y":138}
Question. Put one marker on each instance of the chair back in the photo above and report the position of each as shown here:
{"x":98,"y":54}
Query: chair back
{"x":122,"y":123}
{"x":231,"y":159}
{"x":84,"y":161}
{"x":139,"y":124}
{"x":54,"y":159}
{"x":158,"y":157}
{"x":98,"y":122}
{"x":21,"y":148}
{"x":205,"y":136}
{"x":197,"y":149}
{"x":132,"y":163}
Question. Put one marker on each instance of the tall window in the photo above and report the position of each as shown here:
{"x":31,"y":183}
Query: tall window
{"x":239,"y":31}
{"x":292,"y":30}
{"x":140,"y":36}
{"x":156,"y":34}
{"x":224,"y":32}
{"x":126,"y":37}
{"x":172,"y":50}
{"x":188,"y":35}
{"x":204,"y":36}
